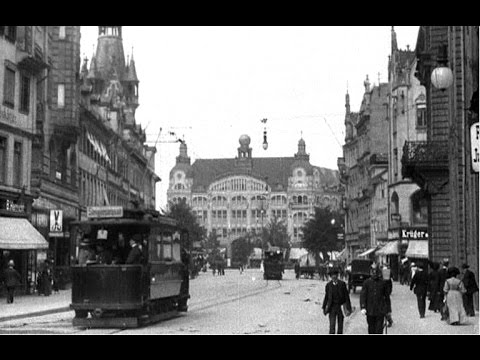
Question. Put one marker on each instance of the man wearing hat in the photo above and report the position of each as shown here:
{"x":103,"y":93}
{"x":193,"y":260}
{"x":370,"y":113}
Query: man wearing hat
{"x":336,"y":296}
{"x":12,"y":280}
{"x":375,"y":300}
{"x":471,"y":286}
{"x":135,"y":256}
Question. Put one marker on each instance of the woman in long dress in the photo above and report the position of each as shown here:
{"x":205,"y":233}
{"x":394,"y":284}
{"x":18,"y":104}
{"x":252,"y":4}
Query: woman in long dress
{"x":454,"y":289}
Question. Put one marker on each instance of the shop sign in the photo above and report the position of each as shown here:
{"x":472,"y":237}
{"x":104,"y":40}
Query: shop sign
{"x":414,"y":234}
{"x":474,"y":140}
{"x":396,"y":217}
{"x":104,"y":211}
{"x":16,"y":208}
{"x":56,"y":221}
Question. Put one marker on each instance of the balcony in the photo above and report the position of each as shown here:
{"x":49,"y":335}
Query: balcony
{"x":422,"y":159}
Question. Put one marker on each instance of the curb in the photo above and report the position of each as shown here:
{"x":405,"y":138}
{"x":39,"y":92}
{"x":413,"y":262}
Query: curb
{"x":36,"y":313}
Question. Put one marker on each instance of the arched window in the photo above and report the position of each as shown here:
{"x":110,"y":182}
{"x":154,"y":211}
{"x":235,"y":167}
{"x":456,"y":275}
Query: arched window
{"x":179,"y":187}
{"x":395,"y":203}
{"x":419,"y":207}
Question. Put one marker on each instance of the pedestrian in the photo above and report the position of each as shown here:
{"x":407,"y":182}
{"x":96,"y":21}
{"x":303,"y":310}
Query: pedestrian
{"x":47,"y":279}
{"x":419,"y":285}
{"x":471,"y":287}
{"x":12,"y":280}
{"x":443,"y":275}
{"x":135,"y":256}
{"x":386,"y":276}
{"x":297,"y":269}
{"x":434,"y":289}
{"x":454,"y":289}
{"x":374,"y":300}
{"x":336,"y":301}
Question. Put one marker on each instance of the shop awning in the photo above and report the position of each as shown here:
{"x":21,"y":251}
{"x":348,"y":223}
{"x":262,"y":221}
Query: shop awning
{"x":417,"y":249}
{"x":19,"y":234}
{"x":391,"y":248}
{"x":296,"y":253}
{"x":369,"y":251}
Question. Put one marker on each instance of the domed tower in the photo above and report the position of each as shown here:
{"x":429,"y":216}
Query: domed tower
{"x":181,"y":173}
{"x":301,"y":153}
{"x":244,"y":151}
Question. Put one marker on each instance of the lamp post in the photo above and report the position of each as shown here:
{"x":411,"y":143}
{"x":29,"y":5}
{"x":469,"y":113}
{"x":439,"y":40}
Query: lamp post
{"x":265,"y":142}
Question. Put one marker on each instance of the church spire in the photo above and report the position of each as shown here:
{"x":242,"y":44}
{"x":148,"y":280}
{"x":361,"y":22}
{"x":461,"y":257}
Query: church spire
{"x":394,"y":40}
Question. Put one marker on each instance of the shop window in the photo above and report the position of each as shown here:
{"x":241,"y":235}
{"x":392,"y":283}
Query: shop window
{"x":421,"y":117}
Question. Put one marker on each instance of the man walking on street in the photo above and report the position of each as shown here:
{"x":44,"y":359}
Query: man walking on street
{"x":419,"y":285}
{"x":12,"y":280}
{"x":374,"y":300}
{"x":471,"y":286}
{"x":336,"y":296}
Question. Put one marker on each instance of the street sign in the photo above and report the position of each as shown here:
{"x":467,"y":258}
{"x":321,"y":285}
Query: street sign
{"x":104,"y":211}
{"x":56,"y":221}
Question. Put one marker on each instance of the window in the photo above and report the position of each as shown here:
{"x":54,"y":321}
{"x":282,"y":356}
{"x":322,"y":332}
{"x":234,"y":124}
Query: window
{"x":11,"y":33}
{"x":9,"y":88}
{"x":61,"y":96}
{"x":25,"y":94}
{"x":17,"y":164}
{"x":61,"y":32}
{"x":3,"y":159}
{"x":421,"y":117}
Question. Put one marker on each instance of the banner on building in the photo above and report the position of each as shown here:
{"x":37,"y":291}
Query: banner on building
{"x":475,"y":142}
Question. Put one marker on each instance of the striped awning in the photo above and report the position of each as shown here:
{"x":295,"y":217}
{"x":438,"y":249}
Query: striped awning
{"x":19,"y":234}
{"x":391,"y":248}
{"x":417,"y":249}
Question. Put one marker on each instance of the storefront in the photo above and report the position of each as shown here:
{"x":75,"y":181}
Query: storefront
{"x":412,"y":243}
{"x":52,"y":219}
{"x":388,"y":254}
{"x":20,"y":241}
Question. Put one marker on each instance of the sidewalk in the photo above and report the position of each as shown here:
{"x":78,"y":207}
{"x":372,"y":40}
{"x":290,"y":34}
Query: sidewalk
{"x":407,"y":319}
{"x":34,"y":305}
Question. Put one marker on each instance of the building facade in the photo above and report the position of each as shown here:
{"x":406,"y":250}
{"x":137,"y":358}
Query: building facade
{"x":362,"y":171}
{"x":54,"y":160}
{"x":233,"y":196}
{"x":114,"y":164}
{"x":408,"y":210}
{"x":444,"y":165}
{"x":24,"y":61}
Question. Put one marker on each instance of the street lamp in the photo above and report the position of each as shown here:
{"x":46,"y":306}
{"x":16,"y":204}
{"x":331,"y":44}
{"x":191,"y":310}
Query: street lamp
{"x":265,"y":142}
{"x":442,"y":76}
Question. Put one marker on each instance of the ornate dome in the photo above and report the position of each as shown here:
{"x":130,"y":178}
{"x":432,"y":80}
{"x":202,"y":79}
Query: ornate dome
{"x":244,"y":140}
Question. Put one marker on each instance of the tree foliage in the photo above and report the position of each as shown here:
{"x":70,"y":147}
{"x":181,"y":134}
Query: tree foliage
{"x":183,"y":213}
{"x":319,"y":235}
{"x":241,"y":249}
{"x":276,"y":234}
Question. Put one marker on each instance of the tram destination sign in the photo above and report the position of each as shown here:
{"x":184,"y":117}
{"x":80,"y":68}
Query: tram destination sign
{"x":104,"y":212}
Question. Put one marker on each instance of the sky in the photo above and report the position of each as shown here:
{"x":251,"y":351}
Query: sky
{"x":210,"y":84}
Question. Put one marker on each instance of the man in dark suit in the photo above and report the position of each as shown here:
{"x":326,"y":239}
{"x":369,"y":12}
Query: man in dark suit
{"x":12,"y":280}
{"x":135,"y":256}
{"x":336,"y":295}
{"x":374,"y":300}
{"x":419,"y":285}
{"x":471,"y":286}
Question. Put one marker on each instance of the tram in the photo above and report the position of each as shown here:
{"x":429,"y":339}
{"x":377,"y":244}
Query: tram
{"x":112,"y":288}
{"x":273,"y":266}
